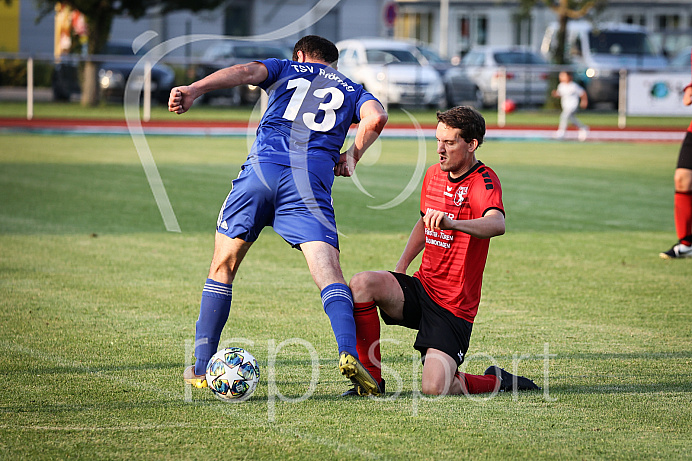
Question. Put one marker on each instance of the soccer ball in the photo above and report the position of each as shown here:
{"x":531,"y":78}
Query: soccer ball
{"x":510,"y":106}
{"x":232,"y":374}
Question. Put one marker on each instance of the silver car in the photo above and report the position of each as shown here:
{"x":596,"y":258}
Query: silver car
{"x":227,"y":53}
{"x":526,"y":74}
{"x":392,"y":71}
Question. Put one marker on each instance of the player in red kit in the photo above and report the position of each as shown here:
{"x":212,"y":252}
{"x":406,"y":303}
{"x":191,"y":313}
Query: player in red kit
{"x":461,"y":209}
{"x":683,"y":193}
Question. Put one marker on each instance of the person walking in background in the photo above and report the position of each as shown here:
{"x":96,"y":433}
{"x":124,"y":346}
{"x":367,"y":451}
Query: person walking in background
{"x":572,"y":97}
{"x":683,"y":193}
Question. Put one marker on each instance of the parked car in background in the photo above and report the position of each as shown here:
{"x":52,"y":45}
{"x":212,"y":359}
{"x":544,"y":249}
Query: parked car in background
{"x":113,"y":73}
{"x":681,"y":61}
{"x":458,"y":88}
{"x":228,"y":53}
{"x":392,"y":71}
{"x":670,"y":42}
{"x":599,"y":52}
{"x":526,"y":74}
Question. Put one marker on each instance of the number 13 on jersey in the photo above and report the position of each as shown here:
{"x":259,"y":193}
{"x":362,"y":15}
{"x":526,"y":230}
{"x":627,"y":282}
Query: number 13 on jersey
{"x":302,"y":86}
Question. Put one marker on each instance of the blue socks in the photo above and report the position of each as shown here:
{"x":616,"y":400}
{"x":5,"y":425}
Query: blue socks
{"x":213,"y":314}
{"x":216,"y":305}
{"x":338,"y":304}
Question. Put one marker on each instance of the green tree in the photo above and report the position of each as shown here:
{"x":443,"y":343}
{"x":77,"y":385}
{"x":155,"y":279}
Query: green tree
{"x":99,"y":15}
{"x":564,"y":10}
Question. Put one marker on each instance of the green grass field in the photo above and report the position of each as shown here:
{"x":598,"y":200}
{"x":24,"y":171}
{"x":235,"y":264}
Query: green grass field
{"x":98,"y":304}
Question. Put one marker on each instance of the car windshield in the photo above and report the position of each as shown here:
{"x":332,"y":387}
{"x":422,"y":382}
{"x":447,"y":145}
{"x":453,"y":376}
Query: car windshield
{"x":615,"y":43}
{"x":517,"y":57}
{"x":430,"y":55}
{"x":384,"y":56}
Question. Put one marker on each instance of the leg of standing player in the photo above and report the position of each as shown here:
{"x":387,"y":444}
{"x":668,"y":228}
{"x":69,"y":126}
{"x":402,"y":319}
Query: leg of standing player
{"x":683,"y":203}
{"x":216,"y":299}
{"x":323,"y":262}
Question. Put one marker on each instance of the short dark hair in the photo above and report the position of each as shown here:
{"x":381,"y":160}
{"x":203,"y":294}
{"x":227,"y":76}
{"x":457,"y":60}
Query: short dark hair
{"x":467,"y":119}
{"x":317,"y":48}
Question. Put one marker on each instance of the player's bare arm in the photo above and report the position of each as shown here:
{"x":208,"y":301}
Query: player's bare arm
{"x":687,"y":96}
{"x":182,"y":97}
{"x":414,"y":245}
{"x":373,"y":118}
{"x":490,"y":225}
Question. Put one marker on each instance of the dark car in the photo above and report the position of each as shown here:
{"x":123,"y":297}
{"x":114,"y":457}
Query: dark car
{"x":112,"y":75}
{"x":228,"y":53}
{"x":458,"y":88}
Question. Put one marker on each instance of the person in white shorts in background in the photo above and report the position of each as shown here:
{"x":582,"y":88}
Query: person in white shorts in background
{"x":572,"y":96}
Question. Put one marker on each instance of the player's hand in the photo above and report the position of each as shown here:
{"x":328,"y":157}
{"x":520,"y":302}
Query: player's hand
{"x":437,"y":220}
{"x":345,"y":166}
{"x":180,"y":100}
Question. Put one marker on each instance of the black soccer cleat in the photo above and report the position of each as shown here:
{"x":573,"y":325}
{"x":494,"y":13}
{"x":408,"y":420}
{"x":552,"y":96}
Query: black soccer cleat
{"x":356,"y":390}
{"x":678,"y":251}
{"x":510,"y":382}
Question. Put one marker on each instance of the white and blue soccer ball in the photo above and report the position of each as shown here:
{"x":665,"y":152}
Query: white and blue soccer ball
{"x":232,"y":374}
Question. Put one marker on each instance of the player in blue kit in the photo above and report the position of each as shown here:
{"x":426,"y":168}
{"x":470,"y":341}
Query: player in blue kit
{"x":286,"y":183}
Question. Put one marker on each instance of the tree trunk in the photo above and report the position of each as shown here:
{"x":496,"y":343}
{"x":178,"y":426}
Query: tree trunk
{"x":561,"y":39}
{"x":98,"y":29}
{"x":90,"y":87}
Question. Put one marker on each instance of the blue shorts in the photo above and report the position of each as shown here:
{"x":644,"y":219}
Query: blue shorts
{"x":295,"y":202}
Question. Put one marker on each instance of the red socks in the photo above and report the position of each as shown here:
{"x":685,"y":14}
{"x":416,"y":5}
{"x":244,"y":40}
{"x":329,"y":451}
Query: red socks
{"x":683,"y":215}
{"x":367,"y":334}
{"x":477,"y":384}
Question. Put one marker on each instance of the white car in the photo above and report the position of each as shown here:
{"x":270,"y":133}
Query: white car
{"x":391,"y":71}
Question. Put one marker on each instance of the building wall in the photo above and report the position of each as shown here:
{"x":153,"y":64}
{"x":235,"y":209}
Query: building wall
{"x":502,"y":28}
{"x":9,"y":27}
{"x":356,"y":18}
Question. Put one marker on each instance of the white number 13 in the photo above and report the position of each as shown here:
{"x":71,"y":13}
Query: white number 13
{"x":302,"y":86}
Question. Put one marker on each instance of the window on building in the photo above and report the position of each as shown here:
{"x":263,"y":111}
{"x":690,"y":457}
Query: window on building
{"x":637,"y":19}
{"x":465,"y":34}
{"x":236,"y":20}
{"x":667,"y":21}
{"x":415,"y":25}
{"x":482,"y":30}
{"x":522,"y":30}
{"x":472,"y":30}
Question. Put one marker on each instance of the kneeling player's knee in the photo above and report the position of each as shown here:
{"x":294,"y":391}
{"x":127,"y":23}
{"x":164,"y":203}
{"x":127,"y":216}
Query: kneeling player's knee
{"x":434,"y":387}
{"x":362,"y":285}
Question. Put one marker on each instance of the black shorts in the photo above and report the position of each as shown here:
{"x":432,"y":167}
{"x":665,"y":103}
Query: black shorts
{"x":437,"y":327}
{"x":685,"y":157}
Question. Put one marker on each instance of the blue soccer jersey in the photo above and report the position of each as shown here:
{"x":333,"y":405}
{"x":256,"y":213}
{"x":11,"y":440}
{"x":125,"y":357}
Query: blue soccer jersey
{"x":311,"y":107}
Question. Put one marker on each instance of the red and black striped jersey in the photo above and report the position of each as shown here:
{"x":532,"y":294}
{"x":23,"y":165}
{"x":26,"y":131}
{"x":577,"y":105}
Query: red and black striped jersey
{"x":453,"y":262}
